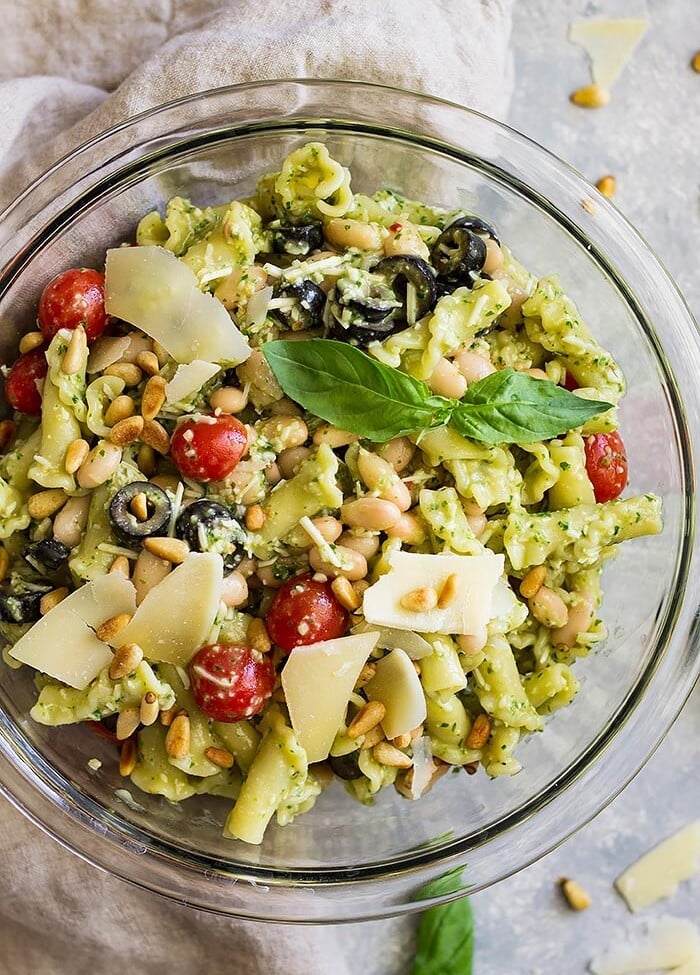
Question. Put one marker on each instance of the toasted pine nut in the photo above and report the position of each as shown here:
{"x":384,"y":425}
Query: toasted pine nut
{"x":471,"y":768}
{"x":128,"y":371}
{"x":257,"y":636}
{"x":284,"y":432}
{"x":171,"y":549}
{"x":472,"y":643}
{"x":254,"y":517}
{"x":416,"y":732}
{"x":448,"y":591}
{"x":695,"y":62}
{"x":397,"y":452}
{"x":146,"y":459}
{"x":153,"y":398}
{"x":148,"y":710}
{"x":333,"y":437}
{"x":409,"y":529}
{"x":234,"y":591}
{"x":366,"y":674}
{"x":99,"y":465}
{"x":127,"y":757}
{"x":372,"y":738}
{"x":29,"y":341}
{"x":374,"y":514}
{"x":473,"y":366}
{"x":127,"y":722}
{"x":126,"y":431}
{"x":532,"y":581}
{"x":590,"y":96}
{"x":402,"y":741}
{"x":479,"y":732}
{"x":365,"y":543}
{"x":139,"y":506}
{"x":147,"y":362}
{"x":343,"y":232}
{"x":360,"y":586}
{"x":387,"y":754}
{"x":110,"y":628}
{"x":447,"y":380}
{"x":353,"y":567}
{"x":120,"y":408}
{"x":494,"y":256}
{"x":74,"y":356}
{"x":420,"y":600}
{"x":4,"y":562}
{"x":121,"y":565}
{"x":345,"y":594}
{"x":161,"y":352}
{"x":369,"y":715}
{"x":155,"y":435}
{"x":549,"y":608}
{"x":288,"y":461}
{"x":228,"y":399}
{"x":138,"y":342}
{"x":177,"y":740}
{"x":125,"y":661}
{"x":166,"y":717}
{"x":149,"y":570}
{"x":581,"y":615}
{"x":607,"y":186}
{"x":51,"y":599}
{"x":7,"y":433}
{"x":43,"y":504}
{"x":219,"y":756}
{"x":76,"y":454}
{"x":576,"y":897}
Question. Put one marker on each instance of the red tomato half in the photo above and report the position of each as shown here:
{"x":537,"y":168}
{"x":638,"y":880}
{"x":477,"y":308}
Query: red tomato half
{"x":606,"y":464}
{"x":75,"y":297}
{"x":231,"y":682}
{"x":21,"y":382}
{"x":305,"y":611}
{"x":209,"y":448}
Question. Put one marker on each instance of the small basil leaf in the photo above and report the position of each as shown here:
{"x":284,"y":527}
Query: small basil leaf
{"x":445,"y":941}
{"x":512,"y":407}
{"x":351,"y":390}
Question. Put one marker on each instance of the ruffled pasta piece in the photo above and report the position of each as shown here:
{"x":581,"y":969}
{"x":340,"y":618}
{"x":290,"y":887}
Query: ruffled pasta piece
{"x":572,"y":485}
{"x":311,"y":183}
{"x":13,"y":510}
{"x":99,"y":395}
{"x":541,"y":475}
{"x":450,"y":530}
{"x":551,"y":688}
{"x":499,"y":688}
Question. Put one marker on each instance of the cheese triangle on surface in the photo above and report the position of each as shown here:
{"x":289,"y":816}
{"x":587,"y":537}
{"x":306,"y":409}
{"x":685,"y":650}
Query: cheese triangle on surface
{"x":609,"y":44}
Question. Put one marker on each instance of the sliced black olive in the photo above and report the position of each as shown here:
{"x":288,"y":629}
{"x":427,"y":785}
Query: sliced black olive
{"x":477,"y":226}
{"x":362,"y":308}
{"x":126,"y":525}
{"x":404,"y":269}
{"x":305,"y":310}
{"x":22,"y":607}
{"x":297,"y":240}
{"x":209,"y":526}
{"x":458,"y":255}
{"x":46,"y":555}
{"x":346,"y":766}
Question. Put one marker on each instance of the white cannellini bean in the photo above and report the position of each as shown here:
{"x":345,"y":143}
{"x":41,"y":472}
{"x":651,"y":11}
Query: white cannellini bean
{"x":374,"y":514}
{"x":378,"y":475}
{"x":99,"y":465}
{"x":228,"y":399}
{"x":149,"y":570}
{"x":284,"y":432}
{"x":330,"y":528}
{"x":234,"y":591}
{"x":447,"y":380}
{"x":288,"y":461}
{"x":344,"y":233}
{"x":70,"y":522}
{"x":494,"y":256}
{"x":473,"y":642}
{"x":403,"y":238}
{"x":397,"y":452}
{"x":284,"y":406}
{"x":581,"y":616}
{"x":354,"y":565}
{"x":473,"y":366}
{"x":333,"y":437}
{"x":366,"y":544}
{"x":549,"y":608}
{"x":476,"y":517}
{"x":409,"y":529}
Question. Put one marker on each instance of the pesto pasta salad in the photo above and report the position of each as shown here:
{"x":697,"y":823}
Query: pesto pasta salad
{"x":310,"y":485}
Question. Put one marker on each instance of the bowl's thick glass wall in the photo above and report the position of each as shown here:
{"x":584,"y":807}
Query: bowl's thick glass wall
{"x":342,"y":860}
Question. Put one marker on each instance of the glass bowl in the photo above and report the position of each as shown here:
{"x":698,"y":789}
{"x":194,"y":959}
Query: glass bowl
{"x":344,"y":861}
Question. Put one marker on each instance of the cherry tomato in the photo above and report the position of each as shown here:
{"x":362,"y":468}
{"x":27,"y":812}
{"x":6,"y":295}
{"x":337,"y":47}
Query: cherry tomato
{"x":305,"y":611}
{"x":606,"y":464}
{"x":570,"y":383}
{"x":21,"y":382}
{"x":75,"y":297}
{"x":208,"y":449}
{"x":231,"y":682}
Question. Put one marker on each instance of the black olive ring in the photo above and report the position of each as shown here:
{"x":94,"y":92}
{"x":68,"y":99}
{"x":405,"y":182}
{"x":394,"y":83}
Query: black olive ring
{"x":126,"y":525}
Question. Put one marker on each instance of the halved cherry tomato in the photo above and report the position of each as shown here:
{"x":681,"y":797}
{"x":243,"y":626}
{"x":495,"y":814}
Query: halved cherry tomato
{"x":208,"y":448}
{"x":74,"y":297}
{"x":606,"y":464}
{"x":21,"y":382}
{"x":305,"y":611}
{"x":231,"y":682}
{"x":570,"y":383}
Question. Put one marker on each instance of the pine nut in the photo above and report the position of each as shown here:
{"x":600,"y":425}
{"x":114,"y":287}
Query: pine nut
{"x":128,"y":371}
{"x":420,"y":600}
{"x":695,"y":62}
{"x":345,"y":594}
{"x":121,"y":565}
{"x":4,"y":562}
{"x":576,"y":897}
{"x":161,"y":352}
{"x":471,"y":768}
{"x":51,"y":599}
{"x":30,"y":341}
{"x":177,"y":740}
{"x":139,"y":506}
{"x":126,"y":431}
{"x":127,"y":722}
{"x":99,"y":465}
{"x":372,"y":738}
{"x":7,"y":433}
{"x":353,"y":564}
{"x":111,"y":627}
{"x":166,"y":717}
{"x":402,"y":741}
{"x":398,"y":452}
{"x":148,"y":710}
{"x":284,"y":432}
{"x":74,"y":356}
{"x":125,"y":661}
{"x":448,"y":591}
{"x":333,"y":437}
{"x":288,"y":461}
{"x":76,"y":455}
{"x":234,"y":591}
{"x":120,"y":408}
{"x":146,"y":460}
{"x":590,"y":96}
{"x":549,"y":608}
{"x":365,"y":543}
{"x":607,"y":186}
{"x":219,"y":756}
{"x":127,"y":757}
{"x":228,"y":399}
{"x":153,"y":397}
{"x":147,"y":362}
{"x":386,"y":754}
{"x":257,"y":636}
{"x":479,"y":733}
{"x":532,"y":582}
{"x":368,"y":717}
{"x":447,"y":380}
{"x":374,"y":514}
{"x":171,"y":549}
{"x":409,"y":529}
{"x":366,"y":674}
{"x":254,"y":517}
{"x":43,"y":504}
{"x":155,"y":435}
{"x":416,"y":732}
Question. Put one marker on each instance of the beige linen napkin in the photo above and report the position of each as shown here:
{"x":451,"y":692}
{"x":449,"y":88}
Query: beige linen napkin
{"x":59,"y":60}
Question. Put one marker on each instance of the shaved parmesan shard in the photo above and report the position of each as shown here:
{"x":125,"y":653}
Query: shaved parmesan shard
{"x":659,"y":872}
{"x":469,"y":609}
{"x":389,"y":638}
{"x":397,"y":685}
{"x":672,"y":944}
{"x":609,"y":44}
{"x":188,"y":379}
{"x":151,"y":289}
{"x":176,"y":616}
{"x":318,"y":680}
{"x":63,"y":644}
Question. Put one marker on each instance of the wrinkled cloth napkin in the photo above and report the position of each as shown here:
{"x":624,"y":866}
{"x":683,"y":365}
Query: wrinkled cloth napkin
{"x":68,"y":70}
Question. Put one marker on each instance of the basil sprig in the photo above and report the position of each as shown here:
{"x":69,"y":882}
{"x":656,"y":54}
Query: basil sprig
{"x":445,"y":940}
{"x":354,"y":392}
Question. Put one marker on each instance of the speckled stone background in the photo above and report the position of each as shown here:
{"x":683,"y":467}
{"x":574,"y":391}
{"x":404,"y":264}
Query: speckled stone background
{"x":648,"y":138}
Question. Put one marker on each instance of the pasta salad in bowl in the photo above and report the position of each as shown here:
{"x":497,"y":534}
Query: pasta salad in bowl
{"x":307,"y":496}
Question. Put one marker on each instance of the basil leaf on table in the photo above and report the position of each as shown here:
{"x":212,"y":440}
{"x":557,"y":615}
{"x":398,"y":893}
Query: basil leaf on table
{"x":445,"y":941}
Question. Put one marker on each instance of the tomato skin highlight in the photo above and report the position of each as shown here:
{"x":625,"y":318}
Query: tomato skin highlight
{"x":230,"y":681}
{"x":606,"y":465}
{"x":74,"y":297}
{"x":21,"y":382}
{"x":210,"y":448}
{"x":305,"y":611}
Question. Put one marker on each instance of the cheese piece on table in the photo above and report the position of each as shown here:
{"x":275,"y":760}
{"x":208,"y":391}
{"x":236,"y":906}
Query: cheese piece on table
{"x":63,"y":644}
{"x":151,"y":289}
{"x":467,"y":612}
{"x":609,"y":44}
{"x":176,"y":616}
{"x":318,"y":680}
{"x":188,"y":379}
{"x":672,"y":944}
{"x":658,"y":873}
{"x":397,"y":685}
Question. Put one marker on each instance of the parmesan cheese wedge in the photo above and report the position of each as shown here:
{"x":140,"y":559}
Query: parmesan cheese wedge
{"x":609,"y":44}
{"x":318,"y":680}
{"x":63,"y":644}
{"x":659,"y":872}
{"x":397,"y":685}
{"x":151,"y":289}
{"x":468,"y":611}
{"x":176,"y":616}
{"x":673,"y":943}
{"x":188,"y":379}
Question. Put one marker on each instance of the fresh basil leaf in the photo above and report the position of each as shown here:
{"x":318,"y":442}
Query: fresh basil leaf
{"x":512,"y":407}
{"x":445,"y":940}
{"x":351,"y":390}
